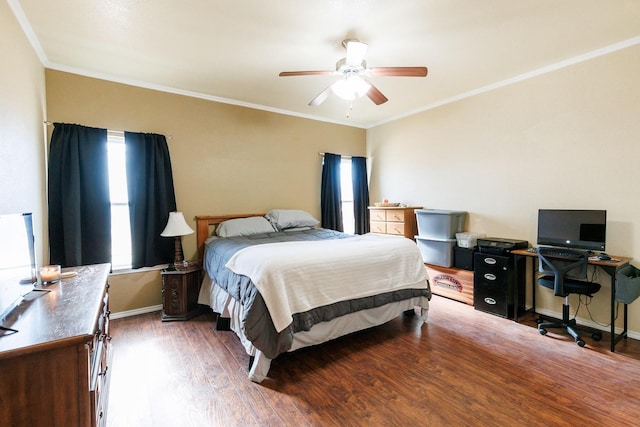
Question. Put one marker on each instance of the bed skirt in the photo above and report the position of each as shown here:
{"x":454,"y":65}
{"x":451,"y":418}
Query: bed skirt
{"x":227,"y":307}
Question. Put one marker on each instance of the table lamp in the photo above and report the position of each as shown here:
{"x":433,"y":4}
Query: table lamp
{"x":176,"y":227}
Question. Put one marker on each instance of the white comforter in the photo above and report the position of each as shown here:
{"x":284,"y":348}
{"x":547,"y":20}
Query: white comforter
{"x":294,"y":277}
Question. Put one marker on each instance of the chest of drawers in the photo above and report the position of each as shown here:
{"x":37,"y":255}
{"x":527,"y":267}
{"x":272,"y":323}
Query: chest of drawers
{"x":400,"y":221}
{"x":55,"y":370}
{"x":495,"y":282}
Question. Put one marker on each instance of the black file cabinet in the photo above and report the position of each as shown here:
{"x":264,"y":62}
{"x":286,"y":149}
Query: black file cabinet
{"x":494,"y":283}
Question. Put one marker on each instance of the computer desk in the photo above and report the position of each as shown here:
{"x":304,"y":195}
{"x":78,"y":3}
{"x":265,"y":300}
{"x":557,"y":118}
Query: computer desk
{"x":610,"y":267}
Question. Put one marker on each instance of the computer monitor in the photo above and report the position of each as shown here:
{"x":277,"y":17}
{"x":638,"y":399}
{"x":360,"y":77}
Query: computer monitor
{"x":572,"y":228}
{"x":17,"y":261}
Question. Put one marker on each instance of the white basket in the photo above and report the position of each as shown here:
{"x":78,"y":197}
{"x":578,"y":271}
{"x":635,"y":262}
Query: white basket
{"x":468,"y":240}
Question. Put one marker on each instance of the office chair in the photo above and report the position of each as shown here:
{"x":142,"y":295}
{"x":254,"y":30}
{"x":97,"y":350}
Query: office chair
{"x":565,"y":271}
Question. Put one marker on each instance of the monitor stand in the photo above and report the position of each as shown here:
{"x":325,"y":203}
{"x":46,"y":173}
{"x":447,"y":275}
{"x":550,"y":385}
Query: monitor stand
{"x":27,"y":299}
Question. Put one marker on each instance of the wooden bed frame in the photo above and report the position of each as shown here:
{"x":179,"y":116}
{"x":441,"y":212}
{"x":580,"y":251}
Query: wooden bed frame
{"x":204,"y":230}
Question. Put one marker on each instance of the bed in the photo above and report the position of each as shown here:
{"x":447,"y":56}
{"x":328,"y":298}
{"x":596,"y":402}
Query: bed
{"x":281,"y":283}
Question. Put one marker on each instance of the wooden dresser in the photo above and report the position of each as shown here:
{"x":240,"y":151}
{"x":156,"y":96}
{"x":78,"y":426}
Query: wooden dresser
{"x":397,"y":220}
{"x":55,"y":369}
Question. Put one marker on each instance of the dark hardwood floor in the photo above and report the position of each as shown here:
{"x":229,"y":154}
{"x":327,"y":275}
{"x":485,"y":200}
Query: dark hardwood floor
{"x":463,"y":367}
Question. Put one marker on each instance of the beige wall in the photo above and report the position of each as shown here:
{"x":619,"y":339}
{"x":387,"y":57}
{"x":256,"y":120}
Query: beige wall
{"x":225,"y":158}
{"x":567,"y":139}
{"x":22,"y":141}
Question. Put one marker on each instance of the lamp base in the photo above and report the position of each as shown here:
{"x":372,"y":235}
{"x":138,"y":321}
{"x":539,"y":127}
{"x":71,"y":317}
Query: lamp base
{"x":177,"y":256}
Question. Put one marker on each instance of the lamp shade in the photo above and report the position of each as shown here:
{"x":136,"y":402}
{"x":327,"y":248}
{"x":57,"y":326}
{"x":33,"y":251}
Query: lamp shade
{"x":176,"y":226}
{"x":350,"y":87}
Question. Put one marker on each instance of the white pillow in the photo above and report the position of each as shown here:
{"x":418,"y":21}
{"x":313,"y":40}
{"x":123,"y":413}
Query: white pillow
{"x":244,"y":227}
{"x":291,"y":218}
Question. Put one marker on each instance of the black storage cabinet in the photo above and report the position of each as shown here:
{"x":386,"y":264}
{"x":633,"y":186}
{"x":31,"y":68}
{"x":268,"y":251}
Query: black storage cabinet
{"x":494,"y":283}
{"x":463,"y":257}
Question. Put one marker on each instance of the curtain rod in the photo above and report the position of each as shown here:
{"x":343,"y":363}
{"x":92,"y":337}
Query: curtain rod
{"x":48,"y":123}
{"x":321,"y":154}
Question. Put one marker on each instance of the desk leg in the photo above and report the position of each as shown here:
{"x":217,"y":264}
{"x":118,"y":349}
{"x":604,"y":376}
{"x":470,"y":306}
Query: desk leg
{"x":613,"y":313}
{"x":516,"y":286}
{"x":611,"y":271}
{"x":534,"y":283}
{"x":516,"y":295}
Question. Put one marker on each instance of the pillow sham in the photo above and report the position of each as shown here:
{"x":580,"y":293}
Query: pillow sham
{"x":244,"y":227}
{"x":290,"y":218}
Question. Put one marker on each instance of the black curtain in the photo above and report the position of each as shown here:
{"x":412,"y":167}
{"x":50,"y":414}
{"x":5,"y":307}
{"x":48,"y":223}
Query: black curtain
{"x":330,"y":197}
{"x":360,"y":194}
{"x":79,"y":205}
{"x":151,"y":198}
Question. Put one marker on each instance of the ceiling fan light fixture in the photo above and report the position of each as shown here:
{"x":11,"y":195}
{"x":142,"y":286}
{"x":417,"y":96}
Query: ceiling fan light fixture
{"x":351,"y":70}
{"x":356,"y":51}
{"x":351,"y":87}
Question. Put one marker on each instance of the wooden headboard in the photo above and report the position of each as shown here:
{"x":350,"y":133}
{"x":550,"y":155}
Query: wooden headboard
{"x":204,"y":224}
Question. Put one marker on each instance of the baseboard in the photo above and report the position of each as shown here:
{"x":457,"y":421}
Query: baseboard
{"x":143,"y":310}
{"x":587,"y":322}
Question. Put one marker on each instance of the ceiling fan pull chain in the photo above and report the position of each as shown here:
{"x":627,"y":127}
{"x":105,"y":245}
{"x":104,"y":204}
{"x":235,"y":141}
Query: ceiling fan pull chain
{"x":349,"y":108}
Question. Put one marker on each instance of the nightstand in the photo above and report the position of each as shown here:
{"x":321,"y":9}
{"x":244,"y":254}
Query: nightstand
{"x":180,"y":290}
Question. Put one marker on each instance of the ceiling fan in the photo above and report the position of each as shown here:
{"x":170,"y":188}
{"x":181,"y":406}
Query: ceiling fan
{"x":351,"y":70}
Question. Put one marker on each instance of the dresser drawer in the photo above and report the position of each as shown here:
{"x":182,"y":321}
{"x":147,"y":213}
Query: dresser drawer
{"x":378,"y":215}
{"x":492,"y":263}
{"x":173,"y":293}
{"x":100,"y":361}
{"x":395,"y":216}
{"x":378,"y":227}
{"x":397,"y":228}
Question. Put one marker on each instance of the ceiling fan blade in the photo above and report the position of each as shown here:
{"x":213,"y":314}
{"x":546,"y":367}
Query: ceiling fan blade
{"x":399,"y":71}
{"x":306,"y":73}
{"x":376,"y":96}
{"x":355,"y":52}
{"x":321,"y":97}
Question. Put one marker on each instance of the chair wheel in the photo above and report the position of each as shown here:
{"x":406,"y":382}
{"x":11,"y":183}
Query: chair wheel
{"x":580,"y":343}
{"x":542,"y":331}
{"x":597,"y":336}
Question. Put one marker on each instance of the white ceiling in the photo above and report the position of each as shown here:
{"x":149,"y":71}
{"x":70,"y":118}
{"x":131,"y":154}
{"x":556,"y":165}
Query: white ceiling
{"x":232,"y":50}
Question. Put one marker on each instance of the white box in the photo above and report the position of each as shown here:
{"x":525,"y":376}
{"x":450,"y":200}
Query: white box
{"x":439,"y":224}
{"x":437,"y":252}
{"x":468,"y":240}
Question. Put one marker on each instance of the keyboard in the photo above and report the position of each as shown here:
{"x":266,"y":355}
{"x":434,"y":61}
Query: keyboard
{"x":563,"y":253}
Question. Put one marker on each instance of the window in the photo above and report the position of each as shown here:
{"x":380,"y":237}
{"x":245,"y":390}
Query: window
{"x":346,"y":189}
{"x":120,"y":227}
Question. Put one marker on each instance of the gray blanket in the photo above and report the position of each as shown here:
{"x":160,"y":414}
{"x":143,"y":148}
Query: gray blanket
{"x":257,"y":324}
